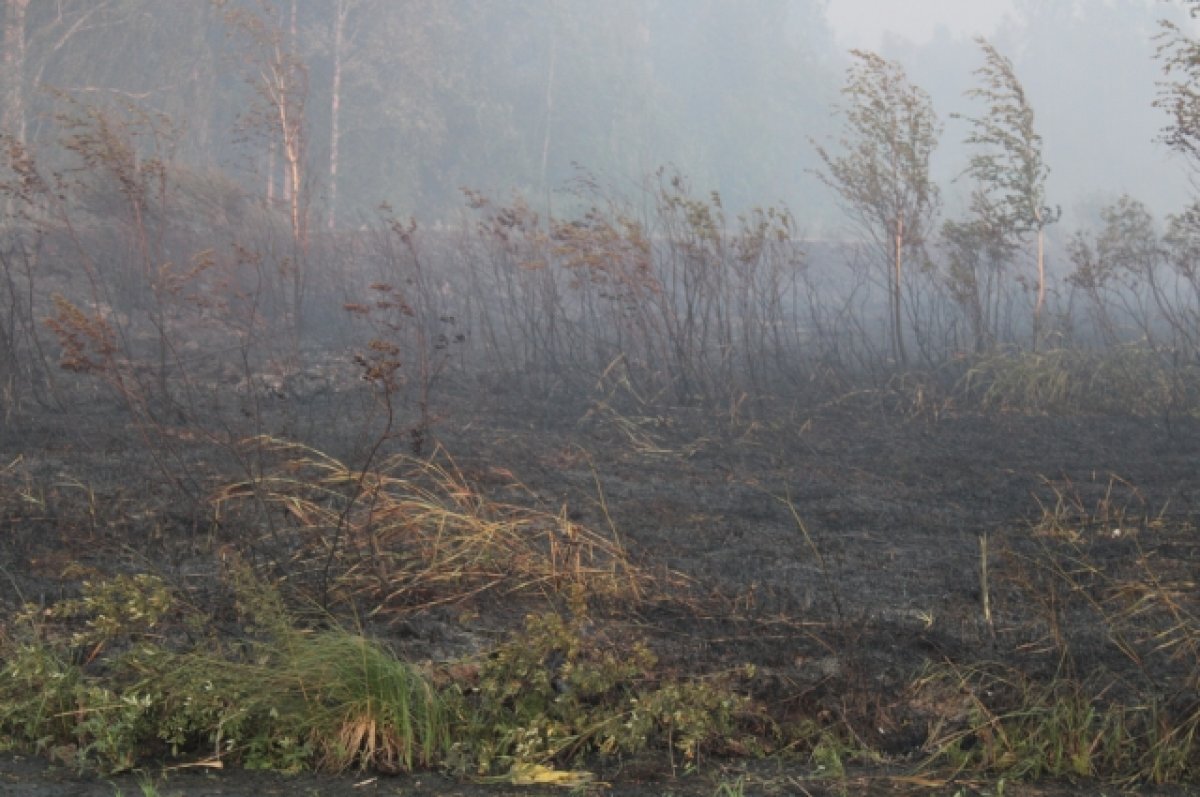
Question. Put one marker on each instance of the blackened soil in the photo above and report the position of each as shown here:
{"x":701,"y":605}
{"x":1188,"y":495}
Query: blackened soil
{"x":836,"y":547}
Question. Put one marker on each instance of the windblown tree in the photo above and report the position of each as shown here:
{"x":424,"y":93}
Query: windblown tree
{"x":1142,"y":285}
{"x":882,"y":178}
{"x":1179,"y":93}
{"x":1007,"y":163}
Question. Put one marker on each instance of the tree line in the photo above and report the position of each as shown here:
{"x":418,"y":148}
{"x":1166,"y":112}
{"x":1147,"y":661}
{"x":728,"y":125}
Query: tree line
{"x":1140,"y":284}
{"x":408,"y":101}
{"x":682,"y":291}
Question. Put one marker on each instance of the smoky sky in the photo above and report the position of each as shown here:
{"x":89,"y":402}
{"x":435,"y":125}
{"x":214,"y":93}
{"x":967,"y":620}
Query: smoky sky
{"x":866,"y":23}
{"x":1088,"y":68}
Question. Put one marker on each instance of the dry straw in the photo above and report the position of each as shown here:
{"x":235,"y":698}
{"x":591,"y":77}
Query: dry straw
{"x":414,"y":533}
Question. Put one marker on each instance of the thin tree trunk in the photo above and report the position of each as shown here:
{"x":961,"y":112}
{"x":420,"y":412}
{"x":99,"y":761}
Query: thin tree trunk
{"x":271,"y":173}
{"x":288,"y":89}
{"x":293,"y":30}
{"x":12,"y":116}
{"x":339,"y":38}
{"x":293,"y":150}
{"x":897,"y":321}
{"x":12,"y":82}
{"x":1041,"y":282}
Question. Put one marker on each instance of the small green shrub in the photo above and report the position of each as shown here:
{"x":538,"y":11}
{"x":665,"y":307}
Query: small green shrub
{"x":289,"y":699}
{"x":285,"y":700}
{"x":558,"y":691}
{"x":37,"y":688}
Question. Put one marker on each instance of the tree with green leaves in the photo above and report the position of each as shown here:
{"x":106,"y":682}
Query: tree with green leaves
{"x":1118,"y":270}
{"x":890,"y":130}
{"x":977,"y":250}
{"x":1179,"y":93}
{"x":1007,"y":163}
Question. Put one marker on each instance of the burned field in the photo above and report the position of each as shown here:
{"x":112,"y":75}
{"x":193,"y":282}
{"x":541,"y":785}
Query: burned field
{"x":804,"y":587}
{"x":377,"y":417}
{"x":630,"y":503}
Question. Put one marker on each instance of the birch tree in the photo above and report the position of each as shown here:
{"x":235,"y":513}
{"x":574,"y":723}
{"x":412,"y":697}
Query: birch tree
{"x":280,"y":80}
{"x":1007,"y":162}
{"x":341,"y":13}
{"x":881,"y":174}
{"x":12,"y":70}
{"x":1179,"y":92}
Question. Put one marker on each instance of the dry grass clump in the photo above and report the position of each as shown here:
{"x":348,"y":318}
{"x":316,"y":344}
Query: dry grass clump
{"x":1101,"y":616}
{"x":633,"y":421}
{"x":1114,"y":569}
{"x":413,"y":533}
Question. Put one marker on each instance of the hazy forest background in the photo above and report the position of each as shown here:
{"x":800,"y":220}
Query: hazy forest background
{"x":724,"y":201}
{"x":503,"y":97}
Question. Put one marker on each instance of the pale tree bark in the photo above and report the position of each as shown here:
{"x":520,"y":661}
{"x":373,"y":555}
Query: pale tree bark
{"x":292,"y":149}
{"x":340,"y":13}
{"x":271,"y":173}
{"x":281,"y":80}
{"x":1008,"y":162}
{"x":12,"y":115}
{"x":897,"y":303}
{"x":1041,"y":278}
{"x":289,"y":183}
{"x":294,"y":143}
{"x":283,"y":83}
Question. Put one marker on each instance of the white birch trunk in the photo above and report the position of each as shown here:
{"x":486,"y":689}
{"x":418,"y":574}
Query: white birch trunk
{"x":341,"y":11}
